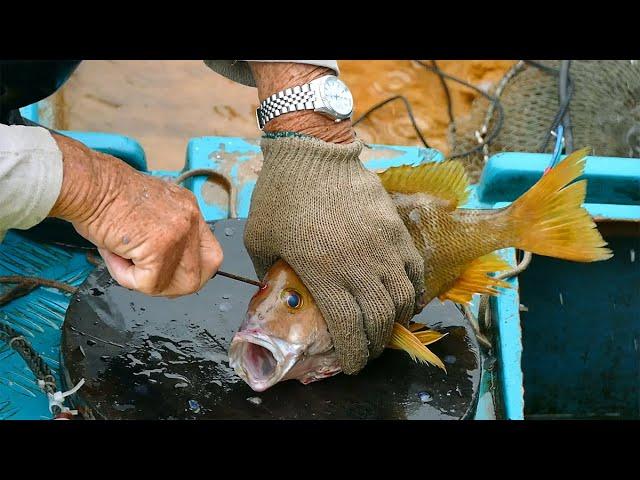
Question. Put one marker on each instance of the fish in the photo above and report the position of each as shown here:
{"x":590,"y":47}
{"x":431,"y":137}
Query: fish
{"x":284,"y":335}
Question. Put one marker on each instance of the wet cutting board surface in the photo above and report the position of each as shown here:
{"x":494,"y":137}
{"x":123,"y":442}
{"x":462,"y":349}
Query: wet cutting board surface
{"x":154,"y":358}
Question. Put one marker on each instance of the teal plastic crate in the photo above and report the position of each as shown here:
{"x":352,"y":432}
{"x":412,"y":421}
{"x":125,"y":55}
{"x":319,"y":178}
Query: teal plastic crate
{"x":574,"y":352}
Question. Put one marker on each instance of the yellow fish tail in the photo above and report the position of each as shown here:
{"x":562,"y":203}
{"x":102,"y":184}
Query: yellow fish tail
{"x":549,"y":218}
{"x":414,"y":344}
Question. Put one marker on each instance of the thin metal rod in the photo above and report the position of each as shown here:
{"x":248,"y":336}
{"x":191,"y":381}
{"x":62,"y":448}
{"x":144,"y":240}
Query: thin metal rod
{"x":239,"y":278}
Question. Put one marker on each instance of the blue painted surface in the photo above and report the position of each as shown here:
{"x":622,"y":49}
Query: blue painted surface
{"x":30,"y":112}
{"x":582,"y":335}
{"x":125,"y":148}
{"x":509,"y":344}
{"x":235,"y":157}
{"x":612,"y":181}
{"x":38,"y":316}
{"x":581,"y":359}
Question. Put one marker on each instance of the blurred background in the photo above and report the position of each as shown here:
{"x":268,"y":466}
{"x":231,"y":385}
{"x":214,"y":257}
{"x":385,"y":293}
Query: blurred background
{"x":163,"y":104}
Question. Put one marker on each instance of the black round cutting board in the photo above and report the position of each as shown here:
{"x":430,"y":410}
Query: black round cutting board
{"x":153,"y":358}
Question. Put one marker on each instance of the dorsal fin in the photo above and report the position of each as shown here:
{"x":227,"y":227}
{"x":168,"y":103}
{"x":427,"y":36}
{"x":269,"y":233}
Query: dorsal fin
{"x":447,"y":180}
{"x":474,"y":279}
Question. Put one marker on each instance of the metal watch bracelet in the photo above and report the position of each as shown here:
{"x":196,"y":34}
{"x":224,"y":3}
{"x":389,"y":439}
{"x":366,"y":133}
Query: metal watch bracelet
{"x":288,"y":100}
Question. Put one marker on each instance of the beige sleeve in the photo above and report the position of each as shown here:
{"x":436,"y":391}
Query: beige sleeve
{"x":239,"y":70}
{"x":30,"y":176}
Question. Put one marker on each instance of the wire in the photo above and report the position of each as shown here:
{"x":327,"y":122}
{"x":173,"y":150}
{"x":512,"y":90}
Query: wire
{"x":564,"y":93}
{"x":409,"y":111}
{"x":558,"y":118}
{"x":447,"y":93}
{"x":566,"y":88}
{"x":494,"y":100}
{"x":443,"y":76}
{"x":544,"y":68}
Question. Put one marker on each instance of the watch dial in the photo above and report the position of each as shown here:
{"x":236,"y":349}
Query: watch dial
{"x":338,"y":96}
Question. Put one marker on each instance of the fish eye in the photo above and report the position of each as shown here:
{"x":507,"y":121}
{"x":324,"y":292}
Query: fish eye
{"x":292,"y":298}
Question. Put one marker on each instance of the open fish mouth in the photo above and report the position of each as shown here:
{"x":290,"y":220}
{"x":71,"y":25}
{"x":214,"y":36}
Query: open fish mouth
{"x":260,"y":360}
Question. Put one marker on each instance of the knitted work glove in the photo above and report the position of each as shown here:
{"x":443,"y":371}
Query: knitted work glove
{"x":319,"y":209}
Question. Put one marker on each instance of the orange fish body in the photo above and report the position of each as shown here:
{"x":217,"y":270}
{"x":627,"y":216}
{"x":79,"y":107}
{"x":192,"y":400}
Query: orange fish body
{"x":457,"y":243}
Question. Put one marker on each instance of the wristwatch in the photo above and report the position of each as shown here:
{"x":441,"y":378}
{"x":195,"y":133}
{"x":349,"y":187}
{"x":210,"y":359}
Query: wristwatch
{"x":327,"y":95}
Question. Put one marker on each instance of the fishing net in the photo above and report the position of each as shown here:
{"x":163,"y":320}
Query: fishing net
{"x":604,"y":110}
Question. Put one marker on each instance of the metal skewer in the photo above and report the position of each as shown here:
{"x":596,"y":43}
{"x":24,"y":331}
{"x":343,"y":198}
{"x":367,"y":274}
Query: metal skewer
{"x":239,"y":278}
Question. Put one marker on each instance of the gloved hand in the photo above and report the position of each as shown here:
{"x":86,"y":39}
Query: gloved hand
{"x":318,"y":208}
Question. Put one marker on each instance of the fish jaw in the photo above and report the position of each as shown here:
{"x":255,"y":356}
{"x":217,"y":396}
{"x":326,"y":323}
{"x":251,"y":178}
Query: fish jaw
{"x":314,"y":368}
{"x":262,"y":360}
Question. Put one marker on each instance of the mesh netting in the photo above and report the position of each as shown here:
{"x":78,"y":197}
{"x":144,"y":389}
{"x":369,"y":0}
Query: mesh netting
{"x":604,"y":110}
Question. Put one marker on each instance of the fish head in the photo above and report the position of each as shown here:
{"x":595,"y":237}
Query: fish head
{"x":283,"y":336}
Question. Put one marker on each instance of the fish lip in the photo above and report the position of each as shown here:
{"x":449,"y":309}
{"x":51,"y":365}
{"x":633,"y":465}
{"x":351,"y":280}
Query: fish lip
{"x":285,"y":354}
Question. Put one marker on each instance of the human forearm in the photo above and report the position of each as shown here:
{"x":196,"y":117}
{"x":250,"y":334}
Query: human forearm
{"x":89,"y":180}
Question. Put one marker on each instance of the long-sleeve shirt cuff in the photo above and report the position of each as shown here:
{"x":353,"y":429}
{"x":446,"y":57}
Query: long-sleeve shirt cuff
{"x":240,"y":72}
{"x":31,"y":172}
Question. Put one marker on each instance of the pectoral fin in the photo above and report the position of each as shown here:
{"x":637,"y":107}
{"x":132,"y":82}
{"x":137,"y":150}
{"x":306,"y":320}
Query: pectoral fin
{"x":475,"y":279}
{"x":403,"y":339}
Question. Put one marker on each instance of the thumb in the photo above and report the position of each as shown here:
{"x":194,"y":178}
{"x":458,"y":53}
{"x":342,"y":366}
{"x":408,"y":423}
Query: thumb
{"x":121,"y":269}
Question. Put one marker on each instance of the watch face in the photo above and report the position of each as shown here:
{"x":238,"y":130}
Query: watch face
{"x":337,"y":96}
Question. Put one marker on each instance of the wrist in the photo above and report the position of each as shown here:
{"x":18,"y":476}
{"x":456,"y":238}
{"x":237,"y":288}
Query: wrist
{"x":88,"y":181}
{"x":272,"y":77}
{"x":284,"y":154}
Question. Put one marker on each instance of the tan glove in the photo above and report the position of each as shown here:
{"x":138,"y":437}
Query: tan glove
{"x":318,"y":208}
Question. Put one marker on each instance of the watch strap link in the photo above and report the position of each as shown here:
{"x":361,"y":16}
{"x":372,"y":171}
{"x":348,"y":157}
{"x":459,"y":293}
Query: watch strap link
{"x":288,"y":100}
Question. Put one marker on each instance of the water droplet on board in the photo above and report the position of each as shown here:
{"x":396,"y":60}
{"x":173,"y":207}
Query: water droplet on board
{"x":194,"y":406}
{"x":424,"y":397}
{"x":451,"y":359}
{"x":154,"y":355}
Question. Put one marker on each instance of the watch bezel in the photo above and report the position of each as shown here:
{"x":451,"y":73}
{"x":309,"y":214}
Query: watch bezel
{"x":325,"y":105}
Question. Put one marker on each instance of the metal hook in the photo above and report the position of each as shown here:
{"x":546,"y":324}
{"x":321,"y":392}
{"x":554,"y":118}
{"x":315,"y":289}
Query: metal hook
{"x":229,"y":185}
{"x":231,"y":212}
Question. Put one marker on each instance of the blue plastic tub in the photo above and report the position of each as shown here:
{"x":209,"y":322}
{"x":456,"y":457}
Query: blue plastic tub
{"x":575,"y":350}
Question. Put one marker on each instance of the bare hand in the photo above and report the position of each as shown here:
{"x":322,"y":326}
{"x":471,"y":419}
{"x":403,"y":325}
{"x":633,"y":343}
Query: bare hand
{"x":150,"y":233}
